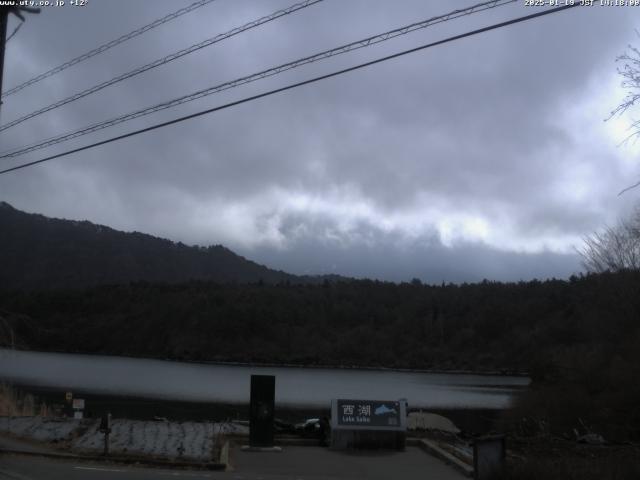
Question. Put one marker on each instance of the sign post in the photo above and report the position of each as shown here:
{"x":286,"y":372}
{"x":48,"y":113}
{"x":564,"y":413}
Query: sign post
{"x":368,"y":424}
{"x":78,"y":408}
{"x":68,"y":406}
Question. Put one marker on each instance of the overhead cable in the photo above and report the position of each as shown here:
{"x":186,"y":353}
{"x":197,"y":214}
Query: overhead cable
{"x":163,"y":61}
{"x":15,"y":30}
{"x":260,"y":75}
{"x":107,"y":46}
{"x":292,"y":86}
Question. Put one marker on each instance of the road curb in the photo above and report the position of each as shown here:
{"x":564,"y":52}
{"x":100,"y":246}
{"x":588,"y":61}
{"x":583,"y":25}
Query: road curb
{"x":433,"y":449}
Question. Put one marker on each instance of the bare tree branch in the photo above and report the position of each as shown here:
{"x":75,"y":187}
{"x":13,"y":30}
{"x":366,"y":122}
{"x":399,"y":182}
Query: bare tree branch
{"x":616,"y":248}
{"x":630,"y":187}
{"x":630,"y":73}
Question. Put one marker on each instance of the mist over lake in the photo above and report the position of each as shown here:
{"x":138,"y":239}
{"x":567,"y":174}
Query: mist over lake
{"x":297,"y":387}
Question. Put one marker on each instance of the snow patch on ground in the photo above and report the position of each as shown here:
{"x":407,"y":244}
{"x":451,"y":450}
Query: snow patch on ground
{"x":40,"y":428}
{"x":176,"y":440}
{"x":430,"y":421}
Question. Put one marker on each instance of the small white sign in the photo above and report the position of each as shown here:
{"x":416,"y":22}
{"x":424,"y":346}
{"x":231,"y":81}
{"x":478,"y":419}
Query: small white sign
{"x":77,"y":415}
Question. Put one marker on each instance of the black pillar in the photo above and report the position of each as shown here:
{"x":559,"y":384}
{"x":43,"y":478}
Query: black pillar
{"x":261,"y":411}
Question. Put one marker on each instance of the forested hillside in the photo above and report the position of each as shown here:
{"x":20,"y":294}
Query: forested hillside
{"x":37,"y":252}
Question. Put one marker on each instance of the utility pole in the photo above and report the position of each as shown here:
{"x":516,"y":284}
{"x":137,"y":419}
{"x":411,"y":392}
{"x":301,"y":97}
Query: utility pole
{"x":4,"y":20}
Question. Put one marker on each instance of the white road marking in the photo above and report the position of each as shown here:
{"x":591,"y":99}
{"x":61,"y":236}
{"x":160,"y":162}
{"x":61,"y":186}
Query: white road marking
{"x":176,"y":474}
{"x":100,"y":469}
{"x":166,"y":474}
{"x":12,"y":475}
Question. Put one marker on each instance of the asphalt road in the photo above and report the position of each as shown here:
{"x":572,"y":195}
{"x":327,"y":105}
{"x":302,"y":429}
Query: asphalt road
{"x":16,"y":467}
{"x":297,"y":463}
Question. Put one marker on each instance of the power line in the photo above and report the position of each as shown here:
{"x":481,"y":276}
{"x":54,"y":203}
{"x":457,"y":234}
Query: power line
{"x":260,"y":75}
{"x":294,"y":85}
{"x":107,"y":46}
{"x":164,"y":60}
{"x":13,"y":152}
{"x":15,"y":30}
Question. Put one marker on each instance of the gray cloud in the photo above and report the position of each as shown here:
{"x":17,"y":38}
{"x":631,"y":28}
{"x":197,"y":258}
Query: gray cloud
{"x":368,"y":252}
{"x":447,"y":164}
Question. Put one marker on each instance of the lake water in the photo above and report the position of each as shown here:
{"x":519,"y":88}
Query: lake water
{"x":295,"y":387}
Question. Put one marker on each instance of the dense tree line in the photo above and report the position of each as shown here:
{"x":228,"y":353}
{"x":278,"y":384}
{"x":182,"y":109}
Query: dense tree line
{"x":489,"y":325}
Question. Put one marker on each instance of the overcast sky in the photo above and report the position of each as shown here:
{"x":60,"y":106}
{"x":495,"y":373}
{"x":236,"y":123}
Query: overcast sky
{"x":487,"y":157}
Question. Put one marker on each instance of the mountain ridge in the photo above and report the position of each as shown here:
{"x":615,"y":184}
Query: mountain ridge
{"x":40,"y":252}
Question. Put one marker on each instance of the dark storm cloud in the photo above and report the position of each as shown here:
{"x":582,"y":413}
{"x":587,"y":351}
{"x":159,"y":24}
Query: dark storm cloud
{"x":447,"y":164}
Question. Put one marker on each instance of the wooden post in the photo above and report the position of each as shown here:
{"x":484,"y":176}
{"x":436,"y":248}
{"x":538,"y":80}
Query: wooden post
{"x":106,"y":444}
{"x":4,"y":19}
{"x":105,"y":427}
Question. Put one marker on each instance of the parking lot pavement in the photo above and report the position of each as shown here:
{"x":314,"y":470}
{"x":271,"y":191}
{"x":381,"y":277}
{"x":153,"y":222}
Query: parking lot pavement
{"x":294,"y":462}
{"x":320,"y":463}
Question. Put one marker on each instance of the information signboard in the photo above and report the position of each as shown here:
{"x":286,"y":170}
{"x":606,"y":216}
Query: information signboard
{"x":368,"y":413}
{"x":368,"y":424}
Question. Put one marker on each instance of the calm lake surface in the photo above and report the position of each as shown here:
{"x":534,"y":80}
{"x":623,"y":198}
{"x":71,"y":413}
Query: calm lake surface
{"x":295,"y":387}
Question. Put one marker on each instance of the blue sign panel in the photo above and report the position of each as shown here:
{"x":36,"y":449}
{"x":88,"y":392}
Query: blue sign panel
{"x":368,"y":413}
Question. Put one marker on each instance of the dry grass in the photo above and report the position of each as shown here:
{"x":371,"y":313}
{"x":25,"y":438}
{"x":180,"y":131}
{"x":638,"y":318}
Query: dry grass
{"x":573,"y":468}
{"x":547,"y":457}
{"x":15,"y":403}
